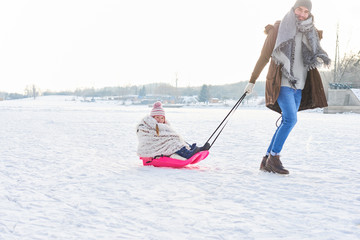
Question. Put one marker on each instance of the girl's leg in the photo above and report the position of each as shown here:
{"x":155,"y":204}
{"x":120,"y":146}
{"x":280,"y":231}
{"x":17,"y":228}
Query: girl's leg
{"x":184,"y":152}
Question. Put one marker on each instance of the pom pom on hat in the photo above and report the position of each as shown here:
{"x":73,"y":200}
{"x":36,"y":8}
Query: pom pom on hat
{"x":303,"y":3}
{"x":157,"y":110}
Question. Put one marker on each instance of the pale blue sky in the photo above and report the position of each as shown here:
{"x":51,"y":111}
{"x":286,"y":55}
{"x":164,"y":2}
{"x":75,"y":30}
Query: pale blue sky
{"x":69,"y":44}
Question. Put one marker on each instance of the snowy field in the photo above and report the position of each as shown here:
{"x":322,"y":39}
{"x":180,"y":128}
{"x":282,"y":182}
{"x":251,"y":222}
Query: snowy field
{"x":69,"y":171}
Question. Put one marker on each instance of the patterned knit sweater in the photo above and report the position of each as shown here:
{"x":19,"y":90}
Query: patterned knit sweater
{"x":157,"y":138}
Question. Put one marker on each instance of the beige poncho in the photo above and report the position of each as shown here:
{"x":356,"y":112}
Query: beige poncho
{"x":157,"y":138}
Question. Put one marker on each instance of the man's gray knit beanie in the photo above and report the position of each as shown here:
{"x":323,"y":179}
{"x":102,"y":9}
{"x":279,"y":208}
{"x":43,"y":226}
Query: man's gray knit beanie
{"x":303,"y":3}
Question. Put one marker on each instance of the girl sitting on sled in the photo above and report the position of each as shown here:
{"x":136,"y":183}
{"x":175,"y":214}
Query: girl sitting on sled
{"x":157,"y":138}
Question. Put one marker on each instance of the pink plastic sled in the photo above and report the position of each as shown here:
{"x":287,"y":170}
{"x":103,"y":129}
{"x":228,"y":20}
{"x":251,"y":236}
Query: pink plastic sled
{"x":174,"y":163}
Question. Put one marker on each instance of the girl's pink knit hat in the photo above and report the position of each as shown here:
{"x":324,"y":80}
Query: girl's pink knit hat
{"x":157,"y":110}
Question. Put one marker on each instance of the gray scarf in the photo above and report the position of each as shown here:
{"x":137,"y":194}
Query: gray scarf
{"x":312,"y":53}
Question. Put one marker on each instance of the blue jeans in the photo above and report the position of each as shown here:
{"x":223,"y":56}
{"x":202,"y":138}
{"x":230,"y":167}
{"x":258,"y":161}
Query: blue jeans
{"x":289,"y":101}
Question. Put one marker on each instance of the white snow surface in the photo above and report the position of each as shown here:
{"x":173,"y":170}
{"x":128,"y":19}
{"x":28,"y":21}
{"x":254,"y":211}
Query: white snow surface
{"x":69,"y":170}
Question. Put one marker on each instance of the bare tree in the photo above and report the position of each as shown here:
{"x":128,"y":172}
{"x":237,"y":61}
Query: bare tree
{"x":346,"y":69}
{"x":32,"y":91}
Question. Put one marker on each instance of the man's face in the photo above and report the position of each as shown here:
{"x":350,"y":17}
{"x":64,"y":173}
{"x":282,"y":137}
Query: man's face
{"x":302,"y":13}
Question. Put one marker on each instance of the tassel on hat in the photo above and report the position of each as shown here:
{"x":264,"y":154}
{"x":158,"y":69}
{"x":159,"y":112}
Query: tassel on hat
{"x":303,"y":3}
{"x":157,"y":110}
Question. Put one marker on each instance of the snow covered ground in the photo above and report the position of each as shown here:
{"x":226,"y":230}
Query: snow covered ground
{"x":69,"y":171}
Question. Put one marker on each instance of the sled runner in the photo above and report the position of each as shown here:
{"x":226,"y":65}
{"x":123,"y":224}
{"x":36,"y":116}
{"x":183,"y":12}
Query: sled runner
{"x":172,"y":162}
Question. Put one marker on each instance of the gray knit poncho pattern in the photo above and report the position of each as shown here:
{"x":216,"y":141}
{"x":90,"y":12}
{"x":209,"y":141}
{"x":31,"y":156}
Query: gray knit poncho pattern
{"x":157,"y":138}
{"x":312,"y":53}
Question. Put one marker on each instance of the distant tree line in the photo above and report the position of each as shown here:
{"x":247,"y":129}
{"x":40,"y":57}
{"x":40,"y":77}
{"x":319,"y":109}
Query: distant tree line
{"x":205,"y":92}
{"x":346,"y":71}
{"x":30,"y":91}
{"x":227,"y":91}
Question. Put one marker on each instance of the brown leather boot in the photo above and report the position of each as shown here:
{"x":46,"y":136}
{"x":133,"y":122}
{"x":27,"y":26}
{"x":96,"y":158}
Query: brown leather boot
{"x":274,"y":164}
{"x":263,"y":163}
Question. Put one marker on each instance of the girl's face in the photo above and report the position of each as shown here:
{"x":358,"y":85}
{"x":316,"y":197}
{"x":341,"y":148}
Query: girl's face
{"x":160,"y":119}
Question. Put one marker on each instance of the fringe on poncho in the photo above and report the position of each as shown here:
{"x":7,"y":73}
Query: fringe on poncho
{"x":157,"y":138}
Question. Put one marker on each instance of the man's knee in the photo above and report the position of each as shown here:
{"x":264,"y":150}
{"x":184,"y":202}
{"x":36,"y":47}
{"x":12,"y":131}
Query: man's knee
{"x":290,"y":120}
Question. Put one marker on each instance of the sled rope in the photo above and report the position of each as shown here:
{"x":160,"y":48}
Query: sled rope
{"x":225,"y":120}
